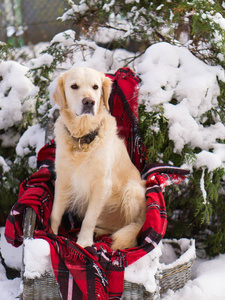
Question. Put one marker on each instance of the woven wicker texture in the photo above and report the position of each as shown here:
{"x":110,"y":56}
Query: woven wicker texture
{"x":175,"y":278}
{"x":41,"y":288}
{"x":134,"y":291}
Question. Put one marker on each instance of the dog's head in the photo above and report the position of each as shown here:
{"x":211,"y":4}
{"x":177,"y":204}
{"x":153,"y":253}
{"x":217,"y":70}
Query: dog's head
{"x":82,"y":91}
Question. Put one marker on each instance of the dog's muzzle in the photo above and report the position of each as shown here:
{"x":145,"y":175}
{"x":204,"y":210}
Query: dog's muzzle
{"x":88,"y":106}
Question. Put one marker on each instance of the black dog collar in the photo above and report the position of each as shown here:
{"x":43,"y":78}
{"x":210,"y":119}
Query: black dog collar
{"x":86,"y":139}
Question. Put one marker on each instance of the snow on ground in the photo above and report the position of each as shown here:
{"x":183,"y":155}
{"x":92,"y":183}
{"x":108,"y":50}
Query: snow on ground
{"x":207,"y":281}
{"x":10,"y":289}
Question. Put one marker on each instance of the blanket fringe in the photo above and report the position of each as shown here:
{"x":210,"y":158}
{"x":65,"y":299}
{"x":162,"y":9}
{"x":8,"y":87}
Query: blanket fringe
{"x":74,"y":255}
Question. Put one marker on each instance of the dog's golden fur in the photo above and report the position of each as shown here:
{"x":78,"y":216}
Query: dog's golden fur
{"x":98,"y":181}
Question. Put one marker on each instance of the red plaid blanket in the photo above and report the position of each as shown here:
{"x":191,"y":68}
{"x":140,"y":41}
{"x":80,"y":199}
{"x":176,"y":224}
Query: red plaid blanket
{"x":123,"y":103}
{"x":95,"y":272}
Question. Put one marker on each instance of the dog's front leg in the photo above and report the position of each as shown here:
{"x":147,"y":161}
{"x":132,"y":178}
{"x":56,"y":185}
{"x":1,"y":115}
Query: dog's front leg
{"x":59,"y":207}
{"x":94,"y":209}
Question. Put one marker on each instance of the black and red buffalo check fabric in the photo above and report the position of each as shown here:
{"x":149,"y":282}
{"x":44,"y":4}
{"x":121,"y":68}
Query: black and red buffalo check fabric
{"x":95,"y":272}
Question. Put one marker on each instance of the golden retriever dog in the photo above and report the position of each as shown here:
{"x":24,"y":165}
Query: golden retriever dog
{"x":95,"y":177}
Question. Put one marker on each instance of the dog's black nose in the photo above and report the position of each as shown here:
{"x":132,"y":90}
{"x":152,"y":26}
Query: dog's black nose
{"x":88,"y":101}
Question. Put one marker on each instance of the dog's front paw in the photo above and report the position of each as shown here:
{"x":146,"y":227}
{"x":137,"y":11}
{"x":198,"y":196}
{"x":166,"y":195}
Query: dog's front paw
{"x":85,"y":242}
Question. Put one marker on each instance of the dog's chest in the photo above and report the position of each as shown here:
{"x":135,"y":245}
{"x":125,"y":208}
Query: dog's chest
{"x":90,"y":169}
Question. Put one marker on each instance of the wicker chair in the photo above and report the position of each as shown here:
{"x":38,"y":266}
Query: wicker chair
{"x":46,"y":287}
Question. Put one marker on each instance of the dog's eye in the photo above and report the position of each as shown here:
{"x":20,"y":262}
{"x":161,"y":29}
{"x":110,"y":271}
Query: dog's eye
{"x":74,"y":86}
{"x":95,"y":87}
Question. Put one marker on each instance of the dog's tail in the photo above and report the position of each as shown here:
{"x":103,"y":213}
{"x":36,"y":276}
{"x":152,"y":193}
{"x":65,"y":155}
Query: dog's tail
{"x":126,"y":237}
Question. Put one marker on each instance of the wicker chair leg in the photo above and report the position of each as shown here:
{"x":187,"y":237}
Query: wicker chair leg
{"x":39,"y":288}
{"x":135,"y":291}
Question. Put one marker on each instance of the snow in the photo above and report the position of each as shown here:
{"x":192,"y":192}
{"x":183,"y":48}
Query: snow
{"x":14,"y":88}
{"x":33,"y":138}
{"x":66,"y":38}
{"x":205,"y":158}
{"x":185,"y":129}
{"x":44,"y":60}
{"x":169,"y":72}
{"x":15,"y":101}
{"x":174,"y":71}
{"x":219,"y":151}
{"x":202,"y":186}
{"x":131,"y":1}
{"x":143,"y":271}
{"x":12,"y":255}
{"x":119,"y":29}
{"x":218,"y":19}
{"x":10,"y":289}
{"x":4,"y":165}
{"x":75,"y":9}
{"x":36,"y":258}
{"x":169,"y":259}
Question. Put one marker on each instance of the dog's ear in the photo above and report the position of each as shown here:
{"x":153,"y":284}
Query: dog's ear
{"x":106,"y":90}
{"x":59,"y":93}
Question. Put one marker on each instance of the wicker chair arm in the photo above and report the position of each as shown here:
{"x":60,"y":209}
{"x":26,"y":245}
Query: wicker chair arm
{"x":28,"y":230}
{"x":29,"y":223}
